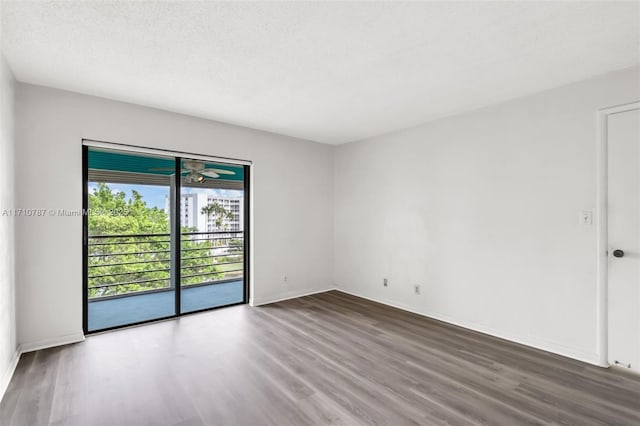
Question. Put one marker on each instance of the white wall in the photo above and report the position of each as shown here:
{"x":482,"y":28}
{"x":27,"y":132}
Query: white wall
{"x":8,"y":345}
{"x":482,"y":211}
{"x":292,"y":200}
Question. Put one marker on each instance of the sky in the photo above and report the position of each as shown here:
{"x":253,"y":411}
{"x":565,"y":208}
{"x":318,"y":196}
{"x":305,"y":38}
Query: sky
{"x":154,"y":195}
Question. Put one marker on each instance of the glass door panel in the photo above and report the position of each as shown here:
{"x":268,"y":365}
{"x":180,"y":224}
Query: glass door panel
{"x":212,"y":213}
{"x":164,"y":236}
{"x":128,"y":261}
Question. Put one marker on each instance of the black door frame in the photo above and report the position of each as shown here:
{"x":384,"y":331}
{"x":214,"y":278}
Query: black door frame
{"x":178,"y":156}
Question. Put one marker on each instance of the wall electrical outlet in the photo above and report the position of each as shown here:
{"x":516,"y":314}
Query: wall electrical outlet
{"x":284,"y":278}
{"x":416,"y":288}
{"x":586,"y":217}
{"x":385,"y":282}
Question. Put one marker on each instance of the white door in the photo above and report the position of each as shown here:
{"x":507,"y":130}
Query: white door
{"x":624,"y":238}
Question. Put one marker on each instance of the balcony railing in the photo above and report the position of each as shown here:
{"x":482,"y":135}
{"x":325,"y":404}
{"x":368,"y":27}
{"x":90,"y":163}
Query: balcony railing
{"x":120,"y":265}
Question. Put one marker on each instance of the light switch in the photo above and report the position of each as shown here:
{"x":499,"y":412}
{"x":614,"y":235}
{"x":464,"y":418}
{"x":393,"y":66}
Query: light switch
{"x":586,"y":217}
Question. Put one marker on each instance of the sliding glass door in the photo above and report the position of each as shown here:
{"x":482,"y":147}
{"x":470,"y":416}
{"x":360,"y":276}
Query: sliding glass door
{"x":212,"y":236}
{"x":163,"y":236}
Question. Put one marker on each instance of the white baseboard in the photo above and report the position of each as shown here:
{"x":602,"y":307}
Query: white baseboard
{"x":49,"y":343}
{"x":287,"y":296}
{"x":8,"y":373}
{"x":542,"y":344}
{"x":5,"y":379}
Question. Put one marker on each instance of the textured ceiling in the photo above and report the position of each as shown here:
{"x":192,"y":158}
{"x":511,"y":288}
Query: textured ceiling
{"x":326,"y":71}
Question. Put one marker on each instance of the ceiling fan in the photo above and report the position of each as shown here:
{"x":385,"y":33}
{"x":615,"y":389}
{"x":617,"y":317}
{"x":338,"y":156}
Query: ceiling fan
{"x":196,"y":171}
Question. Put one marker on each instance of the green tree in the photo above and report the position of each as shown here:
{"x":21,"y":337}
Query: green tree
{"x":112,"y":213}
{"x":129,"y":246}
{"x":117,"y":254}
{"x":231,"y":261}
{"x":217,"y":212}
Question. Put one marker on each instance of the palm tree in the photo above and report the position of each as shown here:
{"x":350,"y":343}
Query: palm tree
{"x":217,"y":212}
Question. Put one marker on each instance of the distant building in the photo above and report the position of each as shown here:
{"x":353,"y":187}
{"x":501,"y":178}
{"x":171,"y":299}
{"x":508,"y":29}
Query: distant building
{"x":191,"y":212}
{"x":233,"y":205}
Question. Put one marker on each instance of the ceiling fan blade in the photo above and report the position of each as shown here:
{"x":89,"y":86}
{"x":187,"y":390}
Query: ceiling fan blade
{"x":209,"y":173}
{"x":220,"y":171}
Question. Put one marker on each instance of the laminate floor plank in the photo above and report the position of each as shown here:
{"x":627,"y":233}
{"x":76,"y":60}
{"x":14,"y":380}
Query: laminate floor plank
{"x":325,"y":359}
